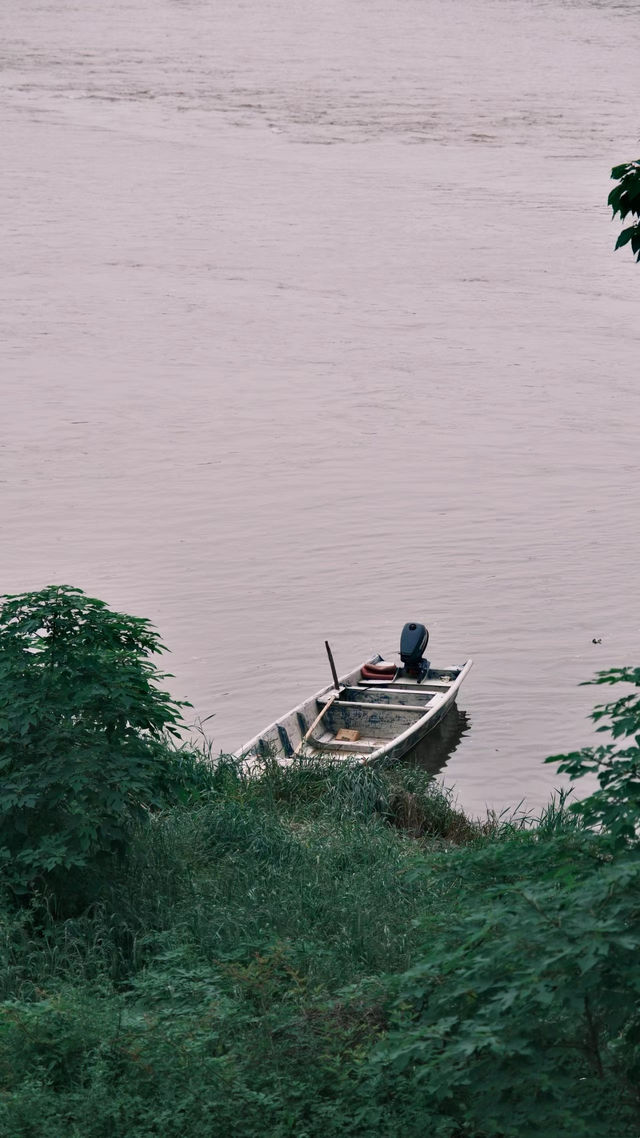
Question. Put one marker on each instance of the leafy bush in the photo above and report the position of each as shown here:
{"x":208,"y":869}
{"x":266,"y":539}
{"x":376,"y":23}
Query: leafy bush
{"x":83,"y":733}
{"x":521,"y":1014}
{"x":513,"y":1020}
{"x":625,"y":200}
{"x":615,"y":808}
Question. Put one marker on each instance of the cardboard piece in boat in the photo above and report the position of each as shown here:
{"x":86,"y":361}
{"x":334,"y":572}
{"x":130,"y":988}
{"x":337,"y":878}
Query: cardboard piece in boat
{"x":347,"y":735}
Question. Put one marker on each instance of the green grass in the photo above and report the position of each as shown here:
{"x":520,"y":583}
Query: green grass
{"x":262,"y":962}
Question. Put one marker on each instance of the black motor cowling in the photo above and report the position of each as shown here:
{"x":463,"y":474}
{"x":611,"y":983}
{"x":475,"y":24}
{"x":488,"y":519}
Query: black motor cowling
{"x":413,"y":643}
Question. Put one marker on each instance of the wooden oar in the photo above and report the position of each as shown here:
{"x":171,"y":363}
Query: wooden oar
{"x":336,"y":681}
{"x":328,"y":704}
{"x":308,"y":734}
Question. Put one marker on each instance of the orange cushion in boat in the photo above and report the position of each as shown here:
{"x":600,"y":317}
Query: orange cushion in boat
{"x":378,"y":671}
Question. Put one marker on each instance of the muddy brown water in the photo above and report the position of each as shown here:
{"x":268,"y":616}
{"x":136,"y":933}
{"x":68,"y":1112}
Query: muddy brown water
{"x":311,"y":325}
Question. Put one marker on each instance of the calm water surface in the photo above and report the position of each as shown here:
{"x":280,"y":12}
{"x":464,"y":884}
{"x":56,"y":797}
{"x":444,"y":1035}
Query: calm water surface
{"x":311,"y":325}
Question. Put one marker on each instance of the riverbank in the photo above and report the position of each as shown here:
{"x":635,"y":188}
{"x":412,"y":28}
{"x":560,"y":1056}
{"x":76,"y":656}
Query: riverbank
{"x":329,"y":950}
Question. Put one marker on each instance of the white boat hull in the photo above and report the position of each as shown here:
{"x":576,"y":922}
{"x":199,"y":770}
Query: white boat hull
{"x":388,"y":718}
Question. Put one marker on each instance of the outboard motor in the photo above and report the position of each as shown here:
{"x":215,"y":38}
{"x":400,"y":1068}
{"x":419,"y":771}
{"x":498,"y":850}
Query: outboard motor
{"x":413,"y":642}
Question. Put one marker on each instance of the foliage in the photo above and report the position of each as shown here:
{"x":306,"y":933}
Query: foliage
{"x":83,"y":747}
{"x":625,"y":201}
{"x":205,"y":994}
{"x":287,"y":957}
{"x":327,"y":950}
{"x":513,"y":1021}
{"x":615,"y":807}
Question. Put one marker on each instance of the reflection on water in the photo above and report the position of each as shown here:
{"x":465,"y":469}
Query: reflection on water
{"x":435,"y":750}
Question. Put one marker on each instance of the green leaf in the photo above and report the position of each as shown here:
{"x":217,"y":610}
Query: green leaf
{"x":619,"y":171}
{"x":625,"y":236}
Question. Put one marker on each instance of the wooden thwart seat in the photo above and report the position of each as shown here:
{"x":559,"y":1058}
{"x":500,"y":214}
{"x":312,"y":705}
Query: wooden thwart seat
{"x":421,"y":707}
{"x":328,"y":742}
{"x":386,"y":706}
{"x":426,"y":685}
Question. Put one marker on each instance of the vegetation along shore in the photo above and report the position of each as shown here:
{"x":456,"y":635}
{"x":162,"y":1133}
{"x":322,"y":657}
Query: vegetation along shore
{"x":325,"y":949}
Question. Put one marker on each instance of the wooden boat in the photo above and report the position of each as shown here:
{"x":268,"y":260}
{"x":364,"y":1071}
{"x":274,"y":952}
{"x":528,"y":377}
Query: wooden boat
{"x":379,"y":710}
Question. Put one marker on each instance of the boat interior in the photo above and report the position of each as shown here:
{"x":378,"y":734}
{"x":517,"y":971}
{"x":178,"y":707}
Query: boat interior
{"x":365,"y":715}
{"x":370,"y":708}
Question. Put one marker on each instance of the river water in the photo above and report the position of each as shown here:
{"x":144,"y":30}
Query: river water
{"x":311,"y":325}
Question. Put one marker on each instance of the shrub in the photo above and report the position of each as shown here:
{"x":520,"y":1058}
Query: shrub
{"x":519,"y":1017}
{"x":614,"y":809}
{"x":625,"y":200}
{"x":83,"y":733}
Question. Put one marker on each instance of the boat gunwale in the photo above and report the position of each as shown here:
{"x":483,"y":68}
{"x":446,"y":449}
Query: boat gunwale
{"x":440,"y":699}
